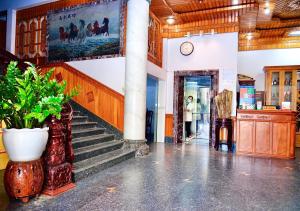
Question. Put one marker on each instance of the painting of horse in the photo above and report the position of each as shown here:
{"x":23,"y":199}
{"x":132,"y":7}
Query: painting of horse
{"x":85,"y":31}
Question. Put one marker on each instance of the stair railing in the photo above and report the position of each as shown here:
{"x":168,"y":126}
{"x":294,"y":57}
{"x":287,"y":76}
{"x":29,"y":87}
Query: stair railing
{"x":5,"y":58}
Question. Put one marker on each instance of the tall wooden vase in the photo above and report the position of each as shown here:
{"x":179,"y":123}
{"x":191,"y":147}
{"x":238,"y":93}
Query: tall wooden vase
{"x":58,"y":172}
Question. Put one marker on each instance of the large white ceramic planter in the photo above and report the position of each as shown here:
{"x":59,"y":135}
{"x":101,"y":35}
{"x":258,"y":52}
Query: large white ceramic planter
{"x":25,"y":144}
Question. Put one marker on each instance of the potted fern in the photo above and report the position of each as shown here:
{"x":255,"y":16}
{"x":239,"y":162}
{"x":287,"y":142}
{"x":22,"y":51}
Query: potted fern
{"x":26,"y":100}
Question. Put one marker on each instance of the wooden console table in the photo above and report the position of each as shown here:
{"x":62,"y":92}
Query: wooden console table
{"x":266,"y":133}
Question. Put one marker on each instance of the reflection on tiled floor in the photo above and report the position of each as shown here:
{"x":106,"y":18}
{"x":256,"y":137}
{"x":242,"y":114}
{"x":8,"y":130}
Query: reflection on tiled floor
{"x":184,"y":177}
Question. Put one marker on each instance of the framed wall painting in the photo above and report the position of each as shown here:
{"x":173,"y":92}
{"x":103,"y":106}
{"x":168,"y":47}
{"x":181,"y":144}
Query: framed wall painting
{"x":85,"y":31}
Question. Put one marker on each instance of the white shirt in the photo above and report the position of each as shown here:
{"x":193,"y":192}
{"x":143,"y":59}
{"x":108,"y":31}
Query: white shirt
{"x":188,"y":117}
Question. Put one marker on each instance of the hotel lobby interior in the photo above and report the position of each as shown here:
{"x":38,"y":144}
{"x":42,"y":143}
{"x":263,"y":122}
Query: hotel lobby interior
{"x":150,"y":105}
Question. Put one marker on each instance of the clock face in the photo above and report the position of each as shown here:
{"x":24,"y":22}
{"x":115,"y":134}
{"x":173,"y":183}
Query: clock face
{"x":186,"y":48}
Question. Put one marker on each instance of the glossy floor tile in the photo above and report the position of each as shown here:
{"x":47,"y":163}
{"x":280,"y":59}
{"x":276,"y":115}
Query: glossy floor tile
{"x":183,"y":177}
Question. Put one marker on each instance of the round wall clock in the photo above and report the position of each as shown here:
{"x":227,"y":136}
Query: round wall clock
{"x":186,"y":48}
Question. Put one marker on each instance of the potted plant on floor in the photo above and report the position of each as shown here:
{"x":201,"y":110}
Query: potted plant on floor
{"x":26,"y":100}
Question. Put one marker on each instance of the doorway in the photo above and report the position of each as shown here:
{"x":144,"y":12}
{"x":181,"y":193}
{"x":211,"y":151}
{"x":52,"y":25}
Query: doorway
{"x":179,"y":96}
{"x":151,"y":114}
{"x":198,"y":89}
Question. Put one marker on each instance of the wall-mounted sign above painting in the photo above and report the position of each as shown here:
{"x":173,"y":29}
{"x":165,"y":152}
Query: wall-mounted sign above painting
{"x":84,"y":32}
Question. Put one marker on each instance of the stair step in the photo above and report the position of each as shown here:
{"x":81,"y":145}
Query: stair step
{"x":83,"y":125}
{"x":93,"y":165}
{"x":79,"y":119}
{"x":91,"y":140}
{"x":76,"y":113}
{"x":95,"y":150}
{"x":87,"y":132}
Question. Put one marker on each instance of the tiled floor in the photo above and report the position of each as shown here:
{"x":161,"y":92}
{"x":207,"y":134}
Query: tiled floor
{"x":184,"y":177}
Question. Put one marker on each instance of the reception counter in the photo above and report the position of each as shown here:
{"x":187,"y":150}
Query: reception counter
{"x":266,"y":133}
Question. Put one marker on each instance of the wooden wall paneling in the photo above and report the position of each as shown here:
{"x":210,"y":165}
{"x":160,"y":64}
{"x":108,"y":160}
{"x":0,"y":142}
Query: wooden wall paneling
{"x":94,"y":96}
{"x":169,"y":125}
{"x":269,"y":43}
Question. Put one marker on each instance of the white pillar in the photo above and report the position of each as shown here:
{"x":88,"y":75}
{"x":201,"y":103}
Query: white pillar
{"x":161,"y":111}
{"x":136,"y":71}
{"x":11,"y":30}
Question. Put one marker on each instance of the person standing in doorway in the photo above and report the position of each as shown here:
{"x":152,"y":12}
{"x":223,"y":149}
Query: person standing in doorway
{"x":188,"y":111}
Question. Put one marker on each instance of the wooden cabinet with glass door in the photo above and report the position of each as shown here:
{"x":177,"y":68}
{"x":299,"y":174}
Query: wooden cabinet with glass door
{"x":282,"y":84}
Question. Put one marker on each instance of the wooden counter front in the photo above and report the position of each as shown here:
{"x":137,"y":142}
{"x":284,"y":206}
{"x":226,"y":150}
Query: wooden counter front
{"x":266,"y":133}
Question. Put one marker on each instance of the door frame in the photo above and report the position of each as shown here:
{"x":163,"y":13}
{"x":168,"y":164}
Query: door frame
{"x":178,"y":101}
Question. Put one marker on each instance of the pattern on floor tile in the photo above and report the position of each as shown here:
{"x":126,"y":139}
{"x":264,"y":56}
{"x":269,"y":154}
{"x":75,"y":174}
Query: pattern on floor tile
{"x":192,"y":178}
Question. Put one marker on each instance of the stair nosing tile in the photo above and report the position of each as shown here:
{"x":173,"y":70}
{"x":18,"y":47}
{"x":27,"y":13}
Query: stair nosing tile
{"x":87,"y":130}
{"x":95,"y":147}
{"x":106,"y":157}
{"x":84,"y":123}
{"x":90,"y":138}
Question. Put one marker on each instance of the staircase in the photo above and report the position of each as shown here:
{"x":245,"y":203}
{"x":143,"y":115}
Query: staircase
{"x":94,"y":149}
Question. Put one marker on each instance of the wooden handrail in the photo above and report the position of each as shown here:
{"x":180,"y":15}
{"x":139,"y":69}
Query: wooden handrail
{"x":6,"y":57}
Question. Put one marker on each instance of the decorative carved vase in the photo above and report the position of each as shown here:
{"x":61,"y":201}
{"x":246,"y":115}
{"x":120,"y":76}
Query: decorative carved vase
{"x":58,"y":172}
{"x":24,"y":179}
{"x":66,"y":117}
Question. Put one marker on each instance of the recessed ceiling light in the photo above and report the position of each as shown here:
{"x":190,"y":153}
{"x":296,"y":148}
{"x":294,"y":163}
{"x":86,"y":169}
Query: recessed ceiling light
{"x":249,"y":36}
{"x":267,"y":10}
{"x":267,"y":4}
{"x":170,"y":20}
{"x":235,"y":2}
{"x":294,"y":33}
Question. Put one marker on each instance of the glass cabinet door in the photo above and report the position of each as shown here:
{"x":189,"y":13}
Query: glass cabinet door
{"x":288,"y":81}
{"x":275,"y":88}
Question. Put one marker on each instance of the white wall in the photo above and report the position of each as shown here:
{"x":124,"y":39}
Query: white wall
{"x":251,"y":63}
{"x":111,"y":71}
{"x":211,"y":52}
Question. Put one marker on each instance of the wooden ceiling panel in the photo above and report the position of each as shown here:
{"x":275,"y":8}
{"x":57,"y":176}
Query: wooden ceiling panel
{"x":287,"y":9}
